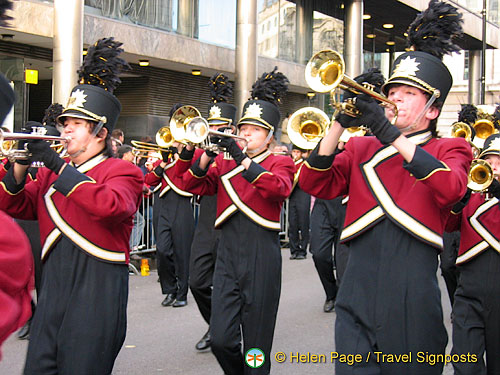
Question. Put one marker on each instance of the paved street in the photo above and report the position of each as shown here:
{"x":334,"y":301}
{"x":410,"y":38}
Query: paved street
{"x":160,"y":340}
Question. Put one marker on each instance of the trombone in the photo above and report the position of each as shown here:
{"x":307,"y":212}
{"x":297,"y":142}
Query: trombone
{"x":164,"y":140}
{"x":480,"y":175}
{"x":325,"y":72}
{"x":8,"y":142}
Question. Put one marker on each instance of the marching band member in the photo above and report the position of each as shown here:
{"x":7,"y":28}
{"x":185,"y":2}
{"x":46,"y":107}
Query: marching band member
{"x":16,"y":261}
{"x":476,"y":307}
{"x":174,"y":226}
{"x":401,"y":185}
{"x":251,"y":188}
{"x":85,"y":210}
{"x":221,"y":115}
{"x":299,"y":205}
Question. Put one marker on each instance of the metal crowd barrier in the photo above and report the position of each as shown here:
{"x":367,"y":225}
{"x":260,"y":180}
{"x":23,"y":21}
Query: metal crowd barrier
{"x":142,"y":239}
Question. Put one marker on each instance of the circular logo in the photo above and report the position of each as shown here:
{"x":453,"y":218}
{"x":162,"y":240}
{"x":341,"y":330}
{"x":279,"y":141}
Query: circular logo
{"x":254,"y":358}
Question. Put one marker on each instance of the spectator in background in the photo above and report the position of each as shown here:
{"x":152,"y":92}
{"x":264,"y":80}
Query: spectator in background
{"x":119,"y":136}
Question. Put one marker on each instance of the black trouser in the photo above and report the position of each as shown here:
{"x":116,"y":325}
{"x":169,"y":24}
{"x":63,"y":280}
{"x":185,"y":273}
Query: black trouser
{"x":476,"y":315}
{"x":299,"y":205}
{"x":449,"y":271}
{"x":247,"y":286}
{"x":325,"y":233}
{"x":203,"y":255}
{"x":81,"y":319}
{"x":173,"y":244}
{"x":389,"y":301}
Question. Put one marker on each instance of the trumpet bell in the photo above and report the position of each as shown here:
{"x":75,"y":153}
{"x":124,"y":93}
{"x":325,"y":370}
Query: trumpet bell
{"x":180,"y":119}
{"x":480,"y":175}
{"x":325,"y":70}
{"x":307,"y":126}
{"x":461,"y":130}
{"x":484,"y":128}
{"x":196,"y":130}
{"x":164,"y":137}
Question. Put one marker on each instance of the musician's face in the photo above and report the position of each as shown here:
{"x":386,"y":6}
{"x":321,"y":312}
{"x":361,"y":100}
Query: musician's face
{"x":296,"y":154}
{"x":410,"y":102}
{"x":494,"y":161}
{"x":80,"y":132}
{"x":255,"y":135}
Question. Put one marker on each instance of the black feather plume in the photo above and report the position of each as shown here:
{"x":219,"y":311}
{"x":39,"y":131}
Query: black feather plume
{"x":102,"y":65}
{"x":496,"y":115}
{"x":4,"y":6}
{"x":51,"y":114}
{"x":468,"y":114}
{"x":270,"y":87}
{"x":221,"y":89}
{"x":372,"y":76}
{"x":435,"y":30}
{"x":174,"y":108}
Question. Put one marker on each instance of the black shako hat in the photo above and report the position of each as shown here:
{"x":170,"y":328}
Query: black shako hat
{"x":7,"y":98}
{"x":219,"y":111}
{"x":491,"y":146}
{"x":262,"y":109}
{"x":93,"y":98}
{"x":430,"y":36}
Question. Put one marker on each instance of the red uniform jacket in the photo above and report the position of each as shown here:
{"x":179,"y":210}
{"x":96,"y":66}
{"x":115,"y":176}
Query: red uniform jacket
{"x":16,"y":277}
{"x":92,"y":205}
{"x":417,"y":195}
{"x":169,"y":178}
{"x":258,"y":192}
{"x":479,"y":225}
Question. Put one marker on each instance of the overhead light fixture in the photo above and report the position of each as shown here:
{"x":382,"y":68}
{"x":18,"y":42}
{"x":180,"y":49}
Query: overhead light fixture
{"x":311,"y":94}
{"x":387,"y":25}
{"x":390,"y":42}
{"x":371,"y":36}
{"x":196,"y":72}
{"x":367,"y":16}
{"x":143,"y":62}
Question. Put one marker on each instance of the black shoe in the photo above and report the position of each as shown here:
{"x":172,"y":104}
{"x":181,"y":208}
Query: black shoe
{"x":329,"y":305}
{"x":300,"y":256}
{"x":169,"y":300}
{"x":24,"y":332}
{"x":178,"y":303}
{"x":293,"y":256}
{"x":204,"y":342}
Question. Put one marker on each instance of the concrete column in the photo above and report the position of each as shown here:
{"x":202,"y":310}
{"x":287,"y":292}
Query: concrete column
{"x":68,"y":46}
{"x":304,"y":30}
{"x":353,"y":42}
{"x":246,"y":51}
{"x":474,"y":94}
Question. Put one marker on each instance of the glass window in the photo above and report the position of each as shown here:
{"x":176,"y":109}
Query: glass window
{"x":287,"y":29}
{"x":328,"y":33}
{"x":217,"y":22}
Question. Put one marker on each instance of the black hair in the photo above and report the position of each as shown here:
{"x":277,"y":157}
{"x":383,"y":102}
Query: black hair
{"x":122,"y":150}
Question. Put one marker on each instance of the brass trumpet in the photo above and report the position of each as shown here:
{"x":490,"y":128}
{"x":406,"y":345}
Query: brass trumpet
{"x":307,"y":126}
{"x":484,"y":128}
{"x":325,"y":71}
{"x":180,"y":119}
{"x":480,"y":175}
{"x":197,"y":132}
{"x":463,"y":130}
{"x":8,"y":143}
